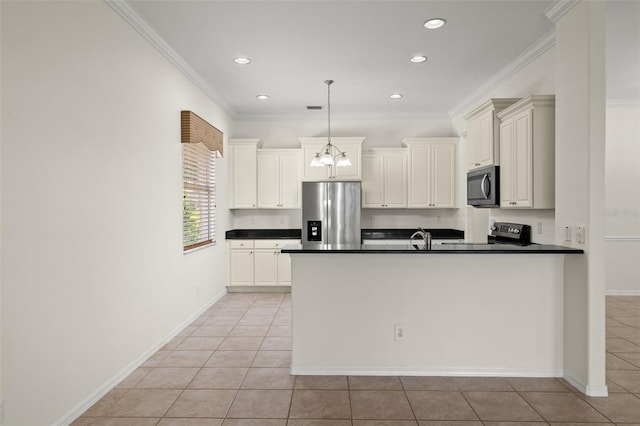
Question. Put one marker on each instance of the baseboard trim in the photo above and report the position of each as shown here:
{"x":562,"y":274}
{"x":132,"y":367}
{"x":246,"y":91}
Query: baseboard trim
{"x":442,"y":372}
{"x":622,"y":292}
{"x":258,"y":289}
{"x":589,"y":390}
{"x":83,"y":406}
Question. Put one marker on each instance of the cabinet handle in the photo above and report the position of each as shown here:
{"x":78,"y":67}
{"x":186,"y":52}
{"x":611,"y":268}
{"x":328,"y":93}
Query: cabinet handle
{"x":251,"y":252}
{"x":476,"y":164}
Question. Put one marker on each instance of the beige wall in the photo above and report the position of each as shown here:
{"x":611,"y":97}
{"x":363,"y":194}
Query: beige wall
{"x":93,"y":274}
{"x":580,"y":177}
{"x":622,"y":214}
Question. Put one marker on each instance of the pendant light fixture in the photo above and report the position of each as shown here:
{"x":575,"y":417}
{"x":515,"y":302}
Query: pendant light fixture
{"x":326,"y":157}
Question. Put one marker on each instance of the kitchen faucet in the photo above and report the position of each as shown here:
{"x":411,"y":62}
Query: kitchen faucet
{"x":426,"y":238}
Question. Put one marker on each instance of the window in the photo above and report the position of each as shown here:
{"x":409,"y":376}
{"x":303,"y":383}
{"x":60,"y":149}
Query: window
{"x":199,"y":178}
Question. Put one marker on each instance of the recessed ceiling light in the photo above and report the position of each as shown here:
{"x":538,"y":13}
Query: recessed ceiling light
{"x":262,"y":97}
{"x":434,"y":23}
{"x":418,"y":59}
{"x":241,"y":60}
{"x":395,"y":95}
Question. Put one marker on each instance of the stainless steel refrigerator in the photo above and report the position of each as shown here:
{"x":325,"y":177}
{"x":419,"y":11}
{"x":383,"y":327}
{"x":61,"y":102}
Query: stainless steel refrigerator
{"x":331,"y":212}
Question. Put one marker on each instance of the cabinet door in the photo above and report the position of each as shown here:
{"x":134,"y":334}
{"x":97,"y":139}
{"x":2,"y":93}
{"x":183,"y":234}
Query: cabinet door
{"x":442,"y":187}
{"x":522,"y":190}
{"x":372,"y":180}
{"x":243,"y":177}
{"x":354,"y":153}
{"x":284,"y":269}
{"x":266,"y":266}
{"x":313,"y":173}
{"x":241,"y":267}
{"x":268,"y":180}
{"x":290,"y":189}
{"x":472,"y":141}
{"x":418,"y":193}
{"x":395,"y":180}
{"x":485,"y":140}
{"x":506,"y":168}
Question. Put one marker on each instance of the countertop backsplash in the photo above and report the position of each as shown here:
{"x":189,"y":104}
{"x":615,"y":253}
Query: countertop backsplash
{"x":370,"y":218}
{"x":542,"y":222}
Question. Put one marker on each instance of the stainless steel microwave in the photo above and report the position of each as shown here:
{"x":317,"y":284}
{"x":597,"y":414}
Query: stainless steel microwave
{"x":483,"y":187}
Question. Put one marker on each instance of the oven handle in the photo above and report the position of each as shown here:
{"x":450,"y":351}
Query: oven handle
{"x":482,"y":186}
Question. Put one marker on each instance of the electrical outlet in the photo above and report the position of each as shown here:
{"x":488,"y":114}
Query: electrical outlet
{"x":438,"y":219}
{"x":399,"y":332}
{"x":581,"y":234}
{"x":197,"y":290}
{"x":539,"y":228}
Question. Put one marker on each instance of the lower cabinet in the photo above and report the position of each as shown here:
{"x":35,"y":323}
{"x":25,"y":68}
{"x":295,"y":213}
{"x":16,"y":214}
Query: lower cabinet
{"x":260,"y":263}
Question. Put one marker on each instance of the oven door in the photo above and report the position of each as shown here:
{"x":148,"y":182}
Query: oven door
{"x":483,"y":187}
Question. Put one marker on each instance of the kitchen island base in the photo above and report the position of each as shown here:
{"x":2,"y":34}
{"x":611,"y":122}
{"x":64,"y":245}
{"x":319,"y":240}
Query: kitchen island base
{"x":436,"y":314}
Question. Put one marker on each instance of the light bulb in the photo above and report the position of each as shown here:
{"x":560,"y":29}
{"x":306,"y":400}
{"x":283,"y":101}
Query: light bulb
{"x":316,"y":161}
{"x":326,"y":158}
{"x":343,"y":161}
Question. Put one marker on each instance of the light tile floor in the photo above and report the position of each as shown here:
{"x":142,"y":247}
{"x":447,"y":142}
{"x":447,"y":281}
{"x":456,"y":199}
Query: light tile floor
{"x":230,"y":367}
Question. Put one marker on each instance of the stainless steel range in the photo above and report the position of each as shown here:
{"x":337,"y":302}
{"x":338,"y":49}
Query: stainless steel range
{"x":511,"y":233}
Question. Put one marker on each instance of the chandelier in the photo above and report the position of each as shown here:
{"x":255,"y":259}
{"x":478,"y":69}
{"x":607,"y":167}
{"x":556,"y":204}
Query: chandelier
{"x":326,"y":156}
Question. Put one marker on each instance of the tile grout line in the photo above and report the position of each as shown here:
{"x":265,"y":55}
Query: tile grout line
{"x":404,"y":390}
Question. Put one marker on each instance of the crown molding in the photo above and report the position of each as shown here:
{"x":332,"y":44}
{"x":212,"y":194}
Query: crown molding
{"x":556,"y":10}
{"x":149,"y":34}
{"x":314,"y":116}
{"x":541,"y":46}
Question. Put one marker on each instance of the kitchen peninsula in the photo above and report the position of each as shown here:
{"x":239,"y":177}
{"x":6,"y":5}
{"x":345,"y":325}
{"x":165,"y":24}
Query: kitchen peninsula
{"x":459,"y":309}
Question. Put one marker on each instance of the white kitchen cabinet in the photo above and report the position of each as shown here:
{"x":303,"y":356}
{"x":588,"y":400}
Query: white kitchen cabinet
{"x":432,"y":172}
{"x":527,"y":152}
{"x":279,"y":178}
{"x":483,"y":142}
{"x":260,"y":263}
{"x":241,"y":260}
{"x":352,"y":146}
{"x":384,"y":178}
{"x":243,"y":173}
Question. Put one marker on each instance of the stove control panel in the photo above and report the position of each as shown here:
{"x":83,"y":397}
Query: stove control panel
{"x":512,"y":232}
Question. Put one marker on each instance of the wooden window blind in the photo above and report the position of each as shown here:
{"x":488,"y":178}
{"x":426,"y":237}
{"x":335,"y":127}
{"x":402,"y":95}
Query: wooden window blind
{"x":199,"y":178}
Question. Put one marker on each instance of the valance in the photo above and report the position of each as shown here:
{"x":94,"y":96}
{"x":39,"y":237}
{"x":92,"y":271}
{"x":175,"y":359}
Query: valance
{"x":195,"y":129}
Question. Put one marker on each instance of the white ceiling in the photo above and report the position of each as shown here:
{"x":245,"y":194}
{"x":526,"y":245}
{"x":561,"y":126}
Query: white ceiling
{"x":364,"y":46}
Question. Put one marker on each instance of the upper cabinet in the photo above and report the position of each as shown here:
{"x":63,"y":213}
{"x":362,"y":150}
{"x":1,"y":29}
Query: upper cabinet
{"x":279,"y":178}
{"x":432,"y":172}
{"x":352,"y":146}
{"x":527,"y":153}
{"x":483,"y":143}
{"x":243,"y":158}
{"x":384,"y":178}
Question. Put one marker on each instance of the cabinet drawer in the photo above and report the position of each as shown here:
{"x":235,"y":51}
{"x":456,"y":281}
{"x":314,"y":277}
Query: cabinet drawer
{"x":274,"y":244}
{"x":241,"y":244}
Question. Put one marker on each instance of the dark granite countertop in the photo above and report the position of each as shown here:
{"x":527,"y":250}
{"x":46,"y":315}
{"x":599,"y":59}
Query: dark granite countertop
{"x":437,"y":249}
{"x":367,"y":234}
{"x":263,"y":234}
{"x":403,"y":233}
